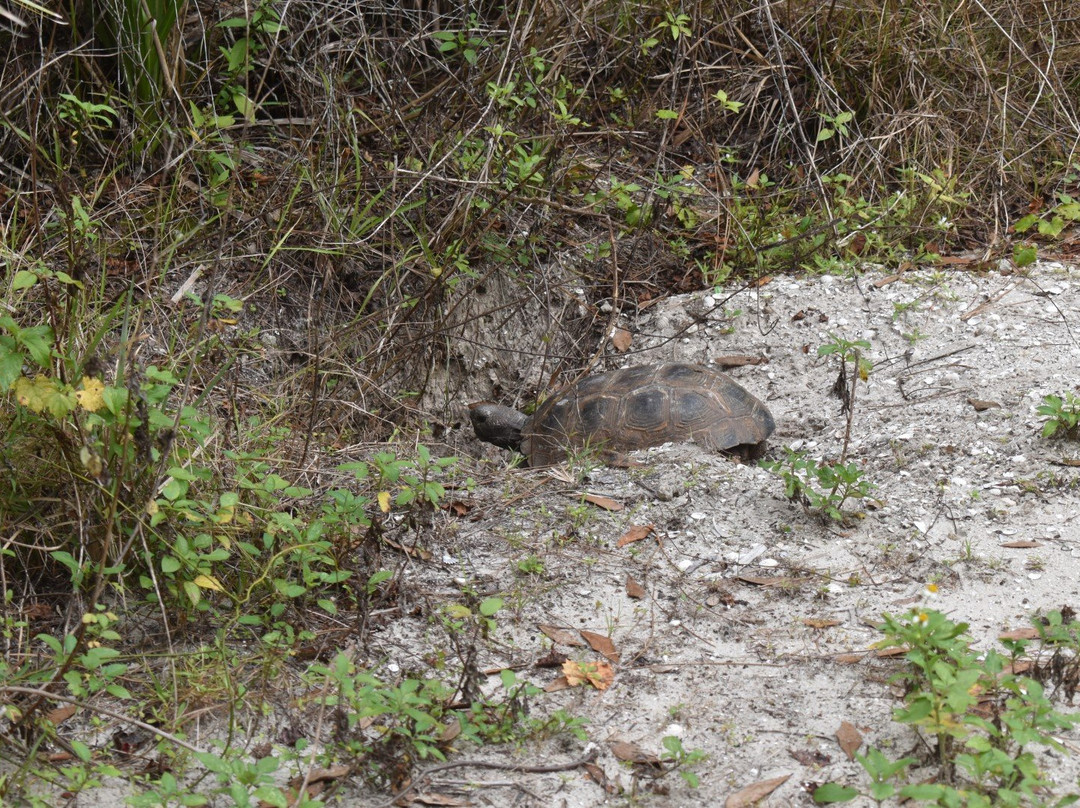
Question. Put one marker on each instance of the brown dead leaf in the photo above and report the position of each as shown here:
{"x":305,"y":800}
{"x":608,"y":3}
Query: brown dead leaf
{"x":739,"y":360}
{"x":849,"y":738}
{"x":60,"y":714}
{"x":1021,"y":545}
{"x":601,"y":643}
{"x":885,"y":653}
{"x":38,"y":611}
{"x":597,"y":775}
{"x":1019,"y":634}
{"x":632,"y":753}
{"x":634,"y":589}
{"x":563,"y":636}
{"x":621,"y":340}
{"x":552,"y":659}
{"x":598,"y":674}
{"x":457,"y":508}
{"x":317,"y":781}
{"x":555,"y":685}
{"x":745,"y":797}
{"x":450,"y":731}
{"x":810,"y":757}
{"x":847,"y":659}
{"x":981,"y":406}
{"x":635,"y":533}
{"x":757,"y":580}
{"x":607,"y":503}
{"x":820,"y":622}
{"x":885,"y":281}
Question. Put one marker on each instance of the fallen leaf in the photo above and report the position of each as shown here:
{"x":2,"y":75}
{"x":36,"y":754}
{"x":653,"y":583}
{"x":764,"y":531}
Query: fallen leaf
{"x":810,"y":757}
{"x":450,"y":731}
{"x":621,"y":340}
{"x":552,"y":659}
{"x":598,"y":674}
{"x":598,"y":776}
{"x":635,"y":533}
{"x":602,"y":644}
{"x":745,"y":797}
{"x":555,"y":685}
{"x":634,"y":589}
{"x":37,"y":611}
{"x":563,"y":636}
{"x":607,"y":503}
{"x":885,"y":653}
{"x":756,"y":580}
{"x":1019,"y":634}
{"x":457,"y":508}
{"x":820,"y":622}
{"x":632,"y":753}
{"x":849,"y":738}
{"x":60,"y":714}
{"x":1021,"y":545}
{"x":886,"y":281}
{"x":847,"y":659}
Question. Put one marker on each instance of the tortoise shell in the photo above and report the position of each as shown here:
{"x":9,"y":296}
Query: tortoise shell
{"x":638,"y":407}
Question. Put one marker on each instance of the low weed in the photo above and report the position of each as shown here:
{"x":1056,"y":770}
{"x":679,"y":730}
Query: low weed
{"x":819,"y":487}
{"x":977,"y":719}
{"x":1062,"y":416}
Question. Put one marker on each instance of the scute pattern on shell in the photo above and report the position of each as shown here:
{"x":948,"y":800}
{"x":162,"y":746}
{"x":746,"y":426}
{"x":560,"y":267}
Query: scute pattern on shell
{"x":645,"y":406}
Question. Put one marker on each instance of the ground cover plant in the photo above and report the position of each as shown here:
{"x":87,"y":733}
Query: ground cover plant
{"x":253,"y":255}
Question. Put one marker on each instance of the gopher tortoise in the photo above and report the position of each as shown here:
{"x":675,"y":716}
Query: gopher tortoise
{"x":629,"y":409}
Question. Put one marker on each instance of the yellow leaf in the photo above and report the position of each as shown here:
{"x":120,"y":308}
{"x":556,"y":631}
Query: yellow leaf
{"x":384,"y":501}
{"x":90,"y":396}
{"x":43,"y":393}
{"x":208,"y":582}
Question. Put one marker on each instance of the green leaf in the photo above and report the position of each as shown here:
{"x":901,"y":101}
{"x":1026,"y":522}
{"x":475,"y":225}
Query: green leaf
{"x":1024,"y":255}
{"x":191,"y":589}
{"x":489,"y":606}
{"x":23,"y":280}
{"x":666,"y":114}
{"x":38,"y":341}
{"x":834,"y":792}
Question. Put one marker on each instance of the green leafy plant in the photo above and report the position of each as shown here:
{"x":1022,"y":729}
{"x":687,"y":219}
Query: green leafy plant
{"x":978,"y":718}
{"x":677,"y":757}
{"x":823,"y":488}
{"x":1062,"y":415}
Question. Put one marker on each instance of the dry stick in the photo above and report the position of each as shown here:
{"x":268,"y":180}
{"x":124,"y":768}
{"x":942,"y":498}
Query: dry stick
{"x":484,"y":764}
{"x":45,"y":694}
{"x":851,"y":408}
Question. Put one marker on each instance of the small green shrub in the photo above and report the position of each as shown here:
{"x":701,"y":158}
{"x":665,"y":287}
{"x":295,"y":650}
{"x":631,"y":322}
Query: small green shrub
{"x":1062,"y":416}
{"x":819,"y":487}
{"x":983,"y":756}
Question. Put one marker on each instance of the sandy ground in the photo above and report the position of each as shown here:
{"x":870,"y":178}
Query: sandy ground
{"x":729,"y":665}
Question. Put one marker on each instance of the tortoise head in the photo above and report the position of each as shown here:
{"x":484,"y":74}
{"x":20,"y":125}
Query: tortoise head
{"x":497,"y":424}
